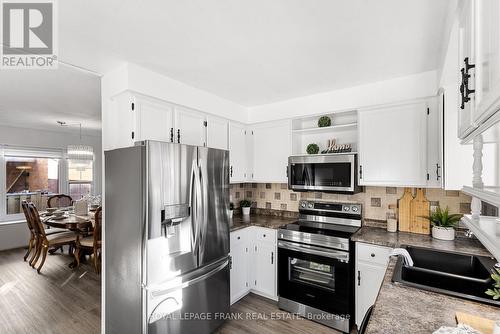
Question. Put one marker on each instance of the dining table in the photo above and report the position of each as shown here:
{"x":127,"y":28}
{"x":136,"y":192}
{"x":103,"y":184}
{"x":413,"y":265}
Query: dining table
{"x":81,"y":224}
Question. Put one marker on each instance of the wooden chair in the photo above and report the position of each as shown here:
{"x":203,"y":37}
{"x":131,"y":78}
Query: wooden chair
{"x":33,"y":235}
{"x":59,"y":201}
{"x":31,"y":243}
{"x":44,"y":241}
{"x":92,"y":242}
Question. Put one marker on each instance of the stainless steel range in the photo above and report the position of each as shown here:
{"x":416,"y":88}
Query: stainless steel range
{"x":316,"y":263}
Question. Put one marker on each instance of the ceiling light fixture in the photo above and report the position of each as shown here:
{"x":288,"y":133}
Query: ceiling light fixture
{"x":79,"y":153}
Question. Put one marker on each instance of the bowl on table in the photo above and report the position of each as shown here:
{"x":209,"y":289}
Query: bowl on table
{"x":58,"y":213}
{"x":51,"y":210}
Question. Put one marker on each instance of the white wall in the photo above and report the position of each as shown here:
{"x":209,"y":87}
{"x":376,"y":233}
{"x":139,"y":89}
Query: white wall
{"x":387,"y":91}
{"x":16,"y":235}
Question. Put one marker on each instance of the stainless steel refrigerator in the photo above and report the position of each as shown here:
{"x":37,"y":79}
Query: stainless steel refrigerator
{"x":166,"y":238}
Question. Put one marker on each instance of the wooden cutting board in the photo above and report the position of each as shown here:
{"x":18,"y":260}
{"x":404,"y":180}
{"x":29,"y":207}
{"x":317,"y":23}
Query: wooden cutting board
{"x":483,"y":325}
{"x":404,"y":210}
{"x":419,"y":207}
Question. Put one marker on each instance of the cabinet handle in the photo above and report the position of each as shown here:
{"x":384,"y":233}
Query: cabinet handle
{"x":239,"y":238}
{"x":230,"y":262}
{"x":231,"y":171}
{"x":264,"y":235}
{"x":171,"y":135}
{"x":437,"y":172}
{"x":372,"y":254}
{"x":464,"y":86}
{"x":178,"y":135}
{"x":359,"y":278}
{"x":286,"y":171}
{"x":360,"y":171}
{"x":272,"y":257}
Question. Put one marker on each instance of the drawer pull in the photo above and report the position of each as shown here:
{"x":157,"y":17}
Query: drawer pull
{"x":239,"y":238}
{"x":264,"y":235}
{"x":372,"y":254}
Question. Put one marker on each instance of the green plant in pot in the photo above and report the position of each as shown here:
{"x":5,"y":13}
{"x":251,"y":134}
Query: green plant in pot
{"x":312,"y":149}
{"x":231,"y":209}
{"x":245,"y":206}
{"x":443,"y":223}
{"x":494,"y":292}
{"x":324,"y":121}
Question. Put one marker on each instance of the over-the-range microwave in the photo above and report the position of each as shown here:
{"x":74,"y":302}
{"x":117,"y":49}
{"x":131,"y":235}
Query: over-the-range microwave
{"x":336,"y":172}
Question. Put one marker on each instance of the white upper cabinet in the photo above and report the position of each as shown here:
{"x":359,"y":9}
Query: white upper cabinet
{"x":435,"y":163}
{"x":393,"y":145}
{"x":237,"y":152}
{"x":271,"y":149}
{"x":487,"y":58}
{"x":190,"y":127}
{"x":466,"y":50}
{"x":154,"y":120}
{"x":217,"y":133}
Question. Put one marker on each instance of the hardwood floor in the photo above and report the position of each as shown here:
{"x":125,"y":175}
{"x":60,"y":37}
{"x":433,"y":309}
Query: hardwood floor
{"x":59,"y":300}
{"x":264,"y":310}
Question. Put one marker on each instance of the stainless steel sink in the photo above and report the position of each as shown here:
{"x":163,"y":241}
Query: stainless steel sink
{"x":459,"y":275}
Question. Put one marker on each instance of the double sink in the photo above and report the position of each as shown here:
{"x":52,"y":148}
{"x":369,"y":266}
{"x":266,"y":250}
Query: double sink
{"x":459,"y":275}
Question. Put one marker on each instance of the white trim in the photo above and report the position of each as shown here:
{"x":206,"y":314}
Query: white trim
{"x":490,"y":195}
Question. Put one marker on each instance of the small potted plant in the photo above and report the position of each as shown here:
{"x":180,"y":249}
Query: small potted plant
{"x":231,"y":209}
{"x":494,"y":292}
{"x":312,"y":149}
{"x":245,"y":206}
{"x":443,"y":224}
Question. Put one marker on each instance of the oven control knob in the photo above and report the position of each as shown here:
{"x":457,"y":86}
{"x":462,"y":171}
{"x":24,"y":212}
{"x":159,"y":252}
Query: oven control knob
{"x":310,"y":205}
{"x":355,"y":208}
{"x":303,"y":204}
{"x":346,"y":208}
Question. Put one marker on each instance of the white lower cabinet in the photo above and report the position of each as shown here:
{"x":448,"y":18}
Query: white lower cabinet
{"x":253,"y":262}
{"x":371,"y":264}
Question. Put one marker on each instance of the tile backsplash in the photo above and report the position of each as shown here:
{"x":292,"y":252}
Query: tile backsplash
{"x":375,"y":200}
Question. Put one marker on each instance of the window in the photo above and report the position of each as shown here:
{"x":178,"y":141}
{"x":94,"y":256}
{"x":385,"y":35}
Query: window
{"x":80,"y":177}
{"x":28,"y":175}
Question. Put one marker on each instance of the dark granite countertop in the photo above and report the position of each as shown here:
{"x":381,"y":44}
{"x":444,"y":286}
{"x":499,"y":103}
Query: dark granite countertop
{"x":380,"y":236}
{"x":403,"y":309}
{"x":274,"y":222}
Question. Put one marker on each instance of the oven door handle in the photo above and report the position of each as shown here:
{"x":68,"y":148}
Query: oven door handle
{"x":338,"y":255}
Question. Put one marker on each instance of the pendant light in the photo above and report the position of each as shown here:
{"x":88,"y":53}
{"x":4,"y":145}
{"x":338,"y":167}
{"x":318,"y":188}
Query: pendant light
{"x":79,"y":153}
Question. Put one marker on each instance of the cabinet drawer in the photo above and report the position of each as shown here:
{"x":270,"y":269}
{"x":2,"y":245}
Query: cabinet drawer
{"x":373,"y":254}
{"x":239,"y":236}
{"x":265,"y":234}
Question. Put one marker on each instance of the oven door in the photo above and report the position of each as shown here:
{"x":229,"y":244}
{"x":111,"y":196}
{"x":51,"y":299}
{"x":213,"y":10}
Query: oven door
{"x":314,"y":276}
{"x":323,"y":172}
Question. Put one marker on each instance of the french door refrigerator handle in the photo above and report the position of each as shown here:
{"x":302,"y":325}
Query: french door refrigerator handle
{"x":194,"y":205}
{"x":203,"y":227}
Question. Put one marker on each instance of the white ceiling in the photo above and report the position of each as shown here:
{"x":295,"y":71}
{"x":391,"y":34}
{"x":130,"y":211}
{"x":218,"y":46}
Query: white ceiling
{"x":38,"y":98}
{"x":257,"y":51}
{"x":251,"y":52}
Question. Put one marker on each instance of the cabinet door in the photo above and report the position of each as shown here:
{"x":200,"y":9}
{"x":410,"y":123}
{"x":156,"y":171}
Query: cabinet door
{"x":271,"y":149}
{"x":239,"y":254}
{"x":466,"y":49}
{"x":190,"y":125}
{"x":217,"y":133}
{"x":368,"y":281}
{"x":264,"y":269}
{"x":435,"y":167}
{"x":119,"y":123}
{"x":154,"y":120}
{"x":237,"y":152}
{"x":393,"y":145}
{"x":487,"y":47}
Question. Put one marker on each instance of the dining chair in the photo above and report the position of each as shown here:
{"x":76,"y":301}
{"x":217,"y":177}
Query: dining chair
{"x":44,"y":241}
{"x":31,"y":242}
{"x":92,"y":242}
{"x":33,"y":235}
{"x":59,"y":201}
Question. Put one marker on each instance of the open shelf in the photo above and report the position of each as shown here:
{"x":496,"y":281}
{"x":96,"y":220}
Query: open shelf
{"x":348,"y":126}
{"x":487,"y":230}
{"x":344,"y":130}
{"x":490,"y":195}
